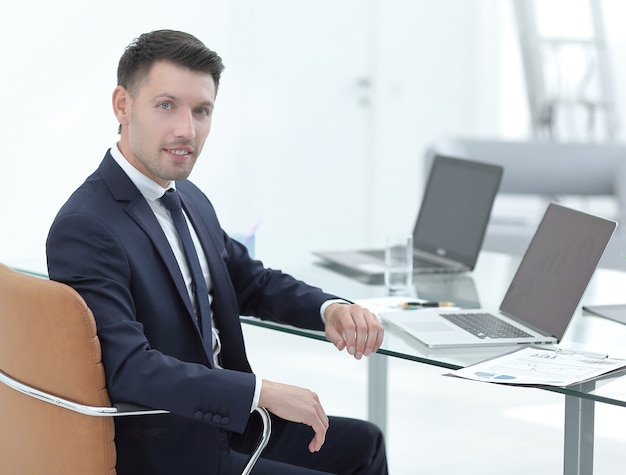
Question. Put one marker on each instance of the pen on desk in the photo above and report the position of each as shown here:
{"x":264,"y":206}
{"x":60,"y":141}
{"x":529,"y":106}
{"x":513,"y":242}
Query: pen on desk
{"x":409,"y":305}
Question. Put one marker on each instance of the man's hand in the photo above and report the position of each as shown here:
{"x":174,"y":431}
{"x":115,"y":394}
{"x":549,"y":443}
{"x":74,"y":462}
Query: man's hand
{"x":353,"y":327}
{"x":297,"y":405}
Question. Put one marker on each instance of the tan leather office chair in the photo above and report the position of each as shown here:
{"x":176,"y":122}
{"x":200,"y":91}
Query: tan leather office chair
{"x":55,"y":412}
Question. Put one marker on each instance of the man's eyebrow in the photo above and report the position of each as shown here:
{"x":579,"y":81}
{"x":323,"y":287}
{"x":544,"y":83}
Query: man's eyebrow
{"x":157,"y":97}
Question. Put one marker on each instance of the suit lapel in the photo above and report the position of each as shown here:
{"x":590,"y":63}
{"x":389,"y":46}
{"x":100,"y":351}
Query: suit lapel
{"x":224,"y":307}
{"x":123,"y":189}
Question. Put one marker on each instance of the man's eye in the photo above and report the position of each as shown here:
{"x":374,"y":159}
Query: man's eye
{"x":165,"y":105}
{"x":202,"y":111}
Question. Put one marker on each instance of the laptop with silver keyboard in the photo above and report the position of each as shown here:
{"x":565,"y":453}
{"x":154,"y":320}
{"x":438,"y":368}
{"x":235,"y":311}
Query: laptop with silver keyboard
{"x":542,"y":297}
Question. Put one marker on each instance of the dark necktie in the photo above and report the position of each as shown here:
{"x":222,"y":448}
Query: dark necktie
{"x":171,"y":200}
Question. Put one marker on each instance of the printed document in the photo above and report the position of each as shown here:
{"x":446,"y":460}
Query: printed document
{"x":540,"y":366}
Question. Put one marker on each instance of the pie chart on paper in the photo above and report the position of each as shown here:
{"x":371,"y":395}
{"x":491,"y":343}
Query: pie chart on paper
{"x":494,"y":376}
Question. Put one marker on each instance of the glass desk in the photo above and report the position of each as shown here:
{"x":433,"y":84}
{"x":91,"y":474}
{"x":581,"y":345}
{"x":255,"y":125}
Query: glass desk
{"x":486,"y":286}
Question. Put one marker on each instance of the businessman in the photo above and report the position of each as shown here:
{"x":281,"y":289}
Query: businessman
{"x":168,"y":322}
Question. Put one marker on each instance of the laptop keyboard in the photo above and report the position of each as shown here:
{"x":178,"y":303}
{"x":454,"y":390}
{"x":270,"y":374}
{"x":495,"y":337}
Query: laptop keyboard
{"x":484,"y":325}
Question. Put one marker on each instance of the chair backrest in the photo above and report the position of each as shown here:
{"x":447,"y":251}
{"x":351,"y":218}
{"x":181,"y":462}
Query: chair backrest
{"x":48,"y":341}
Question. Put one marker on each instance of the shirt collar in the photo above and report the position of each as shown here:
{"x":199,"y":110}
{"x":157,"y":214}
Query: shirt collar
{"x":150,"y":190}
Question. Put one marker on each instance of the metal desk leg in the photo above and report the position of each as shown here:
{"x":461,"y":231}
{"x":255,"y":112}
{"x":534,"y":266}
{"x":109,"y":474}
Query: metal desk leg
{"x":377,"y":390}
{"x":579,"y":434}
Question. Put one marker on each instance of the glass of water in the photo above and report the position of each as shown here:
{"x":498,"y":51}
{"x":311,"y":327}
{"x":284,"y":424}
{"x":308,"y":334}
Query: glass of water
{"x":399,"y":264}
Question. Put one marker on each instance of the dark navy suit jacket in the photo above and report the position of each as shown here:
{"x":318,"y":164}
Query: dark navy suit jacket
{"x":107,"y":244}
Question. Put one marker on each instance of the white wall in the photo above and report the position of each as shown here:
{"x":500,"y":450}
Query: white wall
{"x":59,"y":62}
{"x":298,"y":142}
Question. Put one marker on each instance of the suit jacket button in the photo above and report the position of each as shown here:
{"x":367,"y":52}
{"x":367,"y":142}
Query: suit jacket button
{"x":208,"y":416}
{"x":225,"y":420}
{"x":217,"y":419}
{"x":198,"y":415}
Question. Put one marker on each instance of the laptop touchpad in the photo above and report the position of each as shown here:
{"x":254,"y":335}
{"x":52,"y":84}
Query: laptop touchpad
{"x":429,"y":326}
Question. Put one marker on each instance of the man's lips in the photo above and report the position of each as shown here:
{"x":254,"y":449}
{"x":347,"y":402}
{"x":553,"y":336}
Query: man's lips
{"x":179,"y":153}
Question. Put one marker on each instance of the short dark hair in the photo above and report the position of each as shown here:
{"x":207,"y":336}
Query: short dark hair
{"x":177,"y":47}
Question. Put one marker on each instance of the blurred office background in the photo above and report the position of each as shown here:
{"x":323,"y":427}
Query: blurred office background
{"x":323,"y":116}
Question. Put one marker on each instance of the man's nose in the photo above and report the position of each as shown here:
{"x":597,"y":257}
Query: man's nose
{"x":185,"y":126}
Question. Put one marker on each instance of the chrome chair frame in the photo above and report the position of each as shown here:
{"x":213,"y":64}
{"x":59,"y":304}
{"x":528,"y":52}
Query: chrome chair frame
{"x":129,"y":410}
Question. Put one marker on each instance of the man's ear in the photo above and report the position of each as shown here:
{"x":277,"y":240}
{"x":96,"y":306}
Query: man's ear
{"x":121,"y":104}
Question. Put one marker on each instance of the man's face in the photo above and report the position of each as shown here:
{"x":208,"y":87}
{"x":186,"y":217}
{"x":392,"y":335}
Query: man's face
{"x":165,"y":125}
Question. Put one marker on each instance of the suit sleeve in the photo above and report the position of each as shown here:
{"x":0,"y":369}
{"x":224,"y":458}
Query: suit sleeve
{"x":270,"y":294}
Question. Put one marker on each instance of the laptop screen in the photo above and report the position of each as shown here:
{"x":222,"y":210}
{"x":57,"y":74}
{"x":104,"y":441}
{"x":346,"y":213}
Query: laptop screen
{"x":556,"y":269}
{"x":456,"y":207}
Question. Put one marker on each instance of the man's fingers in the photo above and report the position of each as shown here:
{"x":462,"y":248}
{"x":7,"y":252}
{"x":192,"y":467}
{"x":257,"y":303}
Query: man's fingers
{"x":356,"y":329}
{"x":319,"y":424}
{"x":297,"y":405}
{"x":375,"y":335}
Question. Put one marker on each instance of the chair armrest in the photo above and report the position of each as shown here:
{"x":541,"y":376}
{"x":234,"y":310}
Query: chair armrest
{"x":124,"y":409}
{"x":263,"y":439}
{"x":101,"y":411}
